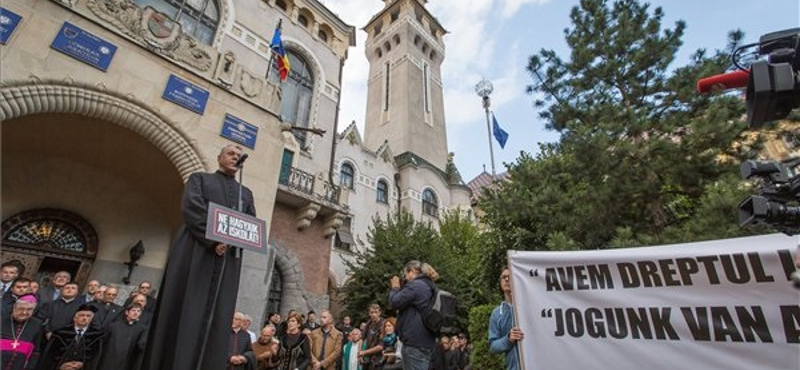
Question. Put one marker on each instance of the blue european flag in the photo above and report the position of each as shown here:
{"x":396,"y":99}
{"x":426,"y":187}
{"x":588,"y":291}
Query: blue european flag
{"x":499,"y":133}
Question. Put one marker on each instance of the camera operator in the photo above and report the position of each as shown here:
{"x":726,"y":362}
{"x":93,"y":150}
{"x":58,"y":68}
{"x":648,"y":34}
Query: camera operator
{"x":411,"y":298}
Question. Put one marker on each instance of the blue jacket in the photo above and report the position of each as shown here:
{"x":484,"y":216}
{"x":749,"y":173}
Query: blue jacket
{"x":500,"y":324}
{"x":412,"y":299}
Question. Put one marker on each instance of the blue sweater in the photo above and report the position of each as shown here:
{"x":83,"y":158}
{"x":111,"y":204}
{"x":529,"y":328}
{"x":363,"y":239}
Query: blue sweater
{"x":500,"y":324}
{"x":412,"y":299}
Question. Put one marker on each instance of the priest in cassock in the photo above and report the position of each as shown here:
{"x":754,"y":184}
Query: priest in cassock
{"x":125,"y":341}
{"x":74,"y":347}
{"x":195,"y":269}
{"x":59,"y":313}
{"x":22,"y":334}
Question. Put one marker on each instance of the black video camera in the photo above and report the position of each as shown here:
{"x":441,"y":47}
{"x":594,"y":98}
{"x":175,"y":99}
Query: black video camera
{"x":778,"y":196}
{"x":773,"y":83}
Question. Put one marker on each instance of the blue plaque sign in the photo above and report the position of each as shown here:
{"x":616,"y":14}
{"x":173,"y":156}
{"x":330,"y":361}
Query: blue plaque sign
{"x":186,"y":94}
{"x":84,"y":46}
{"x":8,"y":23}
{"x":239,"y":131}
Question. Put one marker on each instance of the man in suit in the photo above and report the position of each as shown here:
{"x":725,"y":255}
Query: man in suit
{"x":8,"y":274}
{"x":88,"y":292}
{"x":52,"y":291}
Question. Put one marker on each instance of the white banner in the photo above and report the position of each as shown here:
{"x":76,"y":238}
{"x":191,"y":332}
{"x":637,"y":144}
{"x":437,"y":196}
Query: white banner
{"x":724,"y":304}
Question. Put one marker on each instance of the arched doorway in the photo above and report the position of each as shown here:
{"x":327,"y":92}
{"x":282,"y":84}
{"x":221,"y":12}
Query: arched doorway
{"x":115,"y":163}
{"x":45,"y":241}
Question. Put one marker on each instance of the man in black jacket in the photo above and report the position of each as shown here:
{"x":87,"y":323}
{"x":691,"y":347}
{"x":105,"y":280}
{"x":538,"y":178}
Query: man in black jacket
{"x":411,"y":299}
{"x":76,"y":346}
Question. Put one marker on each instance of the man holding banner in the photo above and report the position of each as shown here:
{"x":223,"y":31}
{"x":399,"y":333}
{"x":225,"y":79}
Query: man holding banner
{"x":201,"y":280}
{"x":503,"y":335}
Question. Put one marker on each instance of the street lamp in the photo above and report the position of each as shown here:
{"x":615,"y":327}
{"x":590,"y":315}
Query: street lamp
{"x":484,"y":88}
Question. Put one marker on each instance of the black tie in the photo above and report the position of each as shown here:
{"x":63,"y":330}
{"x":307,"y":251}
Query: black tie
{"x":80,"y":334}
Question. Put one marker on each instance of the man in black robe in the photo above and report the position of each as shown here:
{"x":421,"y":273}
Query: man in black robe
{"x":59,"y":313}
{"x":107,"y":310}
{"x":125,"y":341}
{"x":21,"y":336}
{"x":73,"y":347}
{"x":196,"y":267}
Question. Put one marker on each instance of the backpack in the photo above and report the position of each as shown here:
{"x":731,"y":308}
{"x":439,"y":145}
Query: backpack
{"x":439,"y":317}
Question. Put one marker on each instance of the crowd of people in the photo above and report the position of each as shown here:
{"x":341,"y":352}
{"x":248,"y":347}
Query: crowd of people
{"x":59,"y":327}
{"x":194,"y":326}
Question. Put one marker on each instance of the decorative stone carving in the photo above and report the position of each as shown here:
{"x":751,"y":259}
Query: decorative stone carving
{"x":154,"y":30}
{"x":306,"y":214}
{"x":225,"y":69}
{"x":250,"y":84}
{"x":67,"y":3}
{"x":331,"y":223}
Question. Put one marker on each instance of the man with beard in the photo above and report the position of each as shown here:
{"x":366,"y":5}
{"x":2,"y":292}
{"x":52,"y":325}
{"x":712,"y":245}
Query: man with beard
{"x":76,"y":346}
{"x":265,"y":349}
{"x":201,"y":280}
{"x":371,"y":357}
{"x":21,"y":338}
{"x":59,"y":313}
{"x":125,"y":341}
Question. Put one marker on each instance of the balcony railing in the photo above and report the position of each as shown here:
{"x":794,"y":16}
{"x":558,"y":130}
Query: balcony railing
{"x":297,"y":179}
{"x":301,"y":181}
{"x":332,"y":193}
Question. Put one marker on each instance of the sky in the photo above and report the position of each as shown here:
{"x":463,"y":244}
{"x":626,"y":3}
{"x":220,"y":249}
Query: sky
{"x":493,"y":39}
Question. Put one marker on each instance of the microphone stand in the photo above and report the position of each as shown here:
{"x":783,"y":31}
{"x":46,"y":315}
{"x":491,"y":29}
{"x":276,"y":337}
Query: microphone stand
{"x":238,"y":251}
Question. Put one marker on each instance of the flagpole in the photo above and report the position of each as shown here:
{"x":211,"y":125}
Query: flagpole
{"x":484,"y":88}
{"x":271,"y":51}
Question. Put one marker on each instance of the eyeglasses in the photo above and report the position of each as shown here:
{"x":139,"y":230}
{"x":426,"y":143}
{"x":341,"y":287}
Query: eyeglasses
{"x":505,"y":277}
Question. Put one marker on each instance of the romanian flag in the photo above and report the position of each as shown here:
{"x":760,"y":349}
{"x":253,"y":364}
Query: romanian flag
{"x":277,"y":47}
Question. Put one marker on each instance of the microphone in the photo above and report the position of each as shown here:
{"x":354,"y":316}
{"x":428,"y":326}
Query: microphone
{"x":723,"y":81}
{"x":241,"y":160}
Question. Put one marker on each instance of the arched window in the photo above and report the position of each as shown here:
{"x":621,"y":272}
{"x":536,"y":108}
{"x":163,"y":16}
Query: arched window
{"x":302,"y":20}
{"x":198,"y":18}
{"x":323,"y":36}
{"x":430,"y":204}
{"x":297,"y":92}
{"x":346,"y":176}
{"x":281,"y":4}
{"x":382,"y":192}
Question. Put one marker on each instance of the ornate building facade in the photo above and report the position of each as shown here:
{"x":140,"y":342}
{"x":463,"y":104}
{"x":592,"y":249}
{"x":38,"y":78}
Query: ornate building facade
{"x":402,"y":160}
{"x":107,"y":106}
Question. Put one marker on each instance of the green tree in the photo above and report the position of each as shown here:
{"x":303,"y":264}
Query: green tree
{"x":396,"y":240}
{"x":639,"y":151}
{"x":454,"y":250}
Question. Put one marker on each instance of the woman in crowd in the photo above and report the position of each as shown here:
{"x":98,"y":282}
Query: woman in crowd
{"x":391,"y":346}
{"x":295,"y":350}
